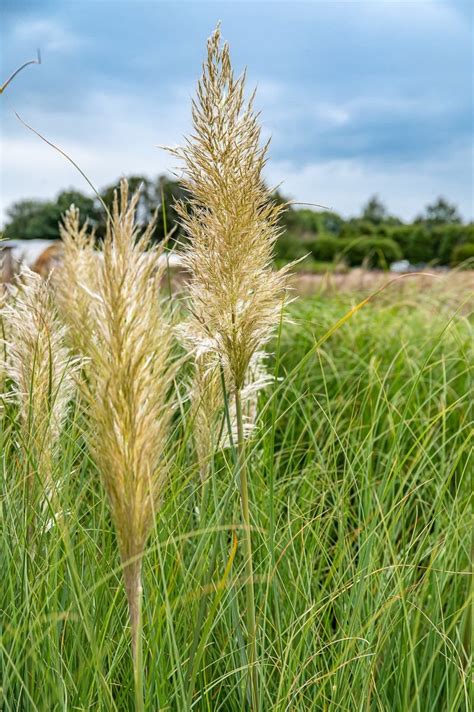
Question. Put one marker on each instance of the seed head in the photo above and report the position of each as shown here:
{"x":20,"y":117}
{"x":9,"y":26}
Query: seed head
{"x":232,"y":224}
{"x":76,"y":278}
{"x":129,"y":376}
{"x":39,"y":365}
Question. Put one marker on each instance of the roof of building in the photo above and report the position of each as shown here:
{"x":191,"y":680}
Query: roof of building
{"x":26,"y":251}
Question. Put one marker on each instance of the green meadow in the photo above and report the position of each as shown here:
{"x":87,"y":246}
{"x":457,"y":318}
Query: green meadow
{"x":360,"y":480}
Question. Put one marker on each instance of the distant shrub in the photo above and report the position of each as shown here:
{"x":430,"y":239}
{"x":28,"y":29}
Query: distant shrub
{"x":401,"y":234}
{"x":325,"y":267}
{"x":375,"y":252}
{"x":291,"y":246}
{"x":372,"y":251}
{"x":451,"y":236}
{"x":417,"y":242}
{"x":330,"y":222}
{"x":310,"y":266}
{"x":365,"y":227}
{"x":360,"y":239}
{"x":463,"y":254}
{"x":422,"y":243}
{"x":324,"y":248}
{"x":356,"y":228}
{"x":422,"y":246}
{"x":308,"y":221}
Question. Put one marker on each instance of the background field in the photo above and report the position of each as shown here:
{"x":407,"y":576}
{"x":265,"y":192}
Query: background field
{"x":359,"y":473}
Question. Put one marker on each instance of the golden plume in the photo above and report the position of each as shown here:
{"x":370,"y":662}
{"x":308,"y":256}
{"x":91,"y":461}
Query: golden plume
{"x":75,"y":279}
{"x":231,"y":223}
{"x":127,"y":391}
{"x":41,"y":370}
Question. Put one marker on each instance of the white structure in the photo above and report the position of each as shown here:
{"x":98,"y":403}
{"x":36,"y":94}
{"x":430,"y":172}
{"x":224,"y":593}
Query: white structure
{"x":26,"y":251}
{"x":401,"y":266}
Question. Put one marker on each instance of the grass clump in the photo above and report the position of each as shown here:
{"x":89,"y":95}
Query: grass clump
{"x":361,"y":556}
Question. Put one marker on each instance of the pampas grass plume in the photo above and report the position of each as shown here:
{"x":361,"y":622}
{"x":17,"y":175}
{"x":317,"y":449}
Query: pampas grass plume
{"x":40,"y":368}
{"x":232,"y":225}
{"x":75,"y":279}
{"x":127,"y":388}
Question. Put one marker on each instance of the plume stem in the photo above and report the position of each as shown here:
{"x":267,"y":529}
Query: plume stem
{"x":133,"y":588}
{"x":249,"y":587}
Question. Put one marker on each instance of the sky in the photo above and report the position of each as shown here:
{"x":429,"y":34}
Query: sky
{"x":359,"y":97}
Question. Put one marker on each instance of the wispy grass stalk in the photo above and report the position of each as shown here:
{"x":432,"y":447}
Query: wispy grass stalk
{"x":232,"y":225}
{"x":128,"y":393}
{"x":75,"y":279}
{"x":42,"y":374}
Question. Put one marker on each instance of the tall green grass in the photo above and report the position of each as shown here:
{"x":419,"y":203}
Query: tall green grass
{"x":360,"y":484}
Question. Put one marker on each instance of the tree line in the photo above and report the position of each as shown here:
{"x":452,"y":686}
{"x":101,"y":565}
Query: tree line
{"x":39,"y":219}
{"x":374,"y":238}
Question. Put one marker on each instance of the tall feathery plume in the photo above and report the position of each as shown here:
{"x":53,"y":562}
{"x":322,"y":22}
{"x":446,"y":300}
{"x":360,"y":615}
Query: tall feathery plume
{"x":75,"y":279}
{"x":127,"y":393}
{"x":235,"y":295}
{"x":42,"y":372}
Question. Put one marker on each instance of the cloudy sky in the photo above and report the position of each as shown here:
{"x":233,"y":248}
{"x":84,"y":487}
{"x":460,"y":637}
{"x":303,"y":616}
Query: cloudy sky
{"x":360,"y":97}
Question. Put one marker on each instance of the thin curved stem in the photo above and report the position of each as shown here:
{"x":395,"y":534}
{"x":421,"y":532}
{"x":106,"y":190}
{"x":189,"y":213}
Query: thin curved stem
{"x":249,"y":586}
{"x":133,"y":587}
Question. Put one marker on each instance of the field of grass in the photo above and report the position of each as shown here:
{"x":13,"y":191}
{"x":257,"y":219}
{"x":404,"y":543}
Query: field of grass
{"x":170,"y":543}
{"x":359,"y":480}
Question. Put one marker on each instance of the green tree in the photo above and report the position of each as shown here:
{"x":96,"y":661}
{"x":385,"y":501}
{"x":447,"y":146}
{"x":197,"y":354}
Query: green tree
{"x":19,"y":217}
{"x":452,"y":236}
{"x":330,"y":222}
{"x":168,"y":192}
{"x":324,"y":248}
{"x":374,"y":211}
{"x":440,"y":213}
{"x":463,"y":254}
{"x":38,"y":219}
{"x":147,"y":203}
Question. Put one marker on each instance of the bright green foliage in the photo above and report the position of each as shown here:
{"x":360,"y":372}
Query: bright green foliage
{"x":422,"y":246}
{"x":329,"y":222}
{"x":360,"y":479}
{"x":290,"y":247}
{"x":451,"y":236}
{"x":39,"y":219}
{"x":36,"y":219}
{"x":370,"y":251}
{"x":422,"y":243}
{"x":463,"y":254}
{"x":358,"y":228}
{"x":325,"y":248}
{"x":430,"y":239}
{"x":158,"y":195}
